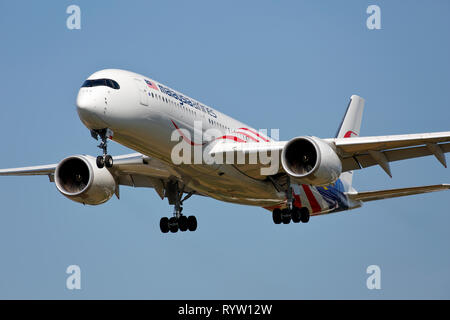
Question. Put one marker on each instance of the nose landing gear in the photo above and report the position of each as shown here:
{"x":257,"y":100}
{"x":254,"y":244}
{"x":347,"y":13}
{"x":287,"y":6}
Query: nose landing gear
{"x":105,"y":160}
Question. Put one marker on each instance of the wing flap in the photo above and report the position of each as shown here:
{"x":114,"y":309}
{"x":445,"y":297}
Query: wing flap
{"x":394,"y":193}
{"x":365,"y":160}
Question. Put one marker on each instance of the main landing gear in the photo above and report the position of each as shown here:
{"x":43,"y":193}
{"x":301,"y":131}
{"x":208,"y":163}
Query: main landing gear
{"x":178,"y":221}
{"x":290,"y":212}
{"x":105,"y":160}
{"x":286,"y":215}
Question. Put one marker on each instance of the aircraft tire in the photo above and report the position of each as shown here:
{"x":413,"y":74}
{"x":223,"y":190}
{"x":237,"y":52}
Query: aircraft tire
{"x":276,"y":216}
{"x":164,"y":225}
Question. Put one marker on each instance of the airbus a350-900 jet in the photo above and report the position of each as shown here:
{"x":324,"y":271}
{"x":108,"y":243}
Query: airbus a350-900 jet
{"x":305,"y":176}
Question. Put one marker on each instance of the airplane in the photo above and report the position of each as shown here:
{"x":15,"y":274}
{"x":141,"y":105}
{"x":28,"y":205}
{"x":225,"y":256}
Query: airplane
{"x":310,"y":176}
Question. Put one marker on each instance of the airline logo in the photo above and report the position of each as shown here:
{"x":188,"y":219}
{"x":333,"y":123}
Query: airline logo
{"x":350,"y":134}
{"x":184,"y":100}
{"x":151,"y":85}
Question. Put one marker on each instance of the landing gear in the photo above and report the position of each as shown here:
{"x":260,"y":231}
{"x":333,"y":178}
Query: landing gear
{"x":304,"y":215}
{"x":178,"y":222}
{"x":175,"y":224}
{"x":286,"y":215}
{"x":276,"y":215}
{"x":296,"y":215}
{"x":105,"y":160}
{"x":291,"y":212}
{"x":164,"y":225}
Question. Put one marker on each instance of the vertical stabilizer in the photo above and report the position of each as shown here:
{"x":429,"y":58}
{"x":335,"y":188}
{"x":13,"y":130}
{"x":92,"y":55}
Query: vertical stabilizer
{"x":350,"y":127}
{"x":351,"y":123}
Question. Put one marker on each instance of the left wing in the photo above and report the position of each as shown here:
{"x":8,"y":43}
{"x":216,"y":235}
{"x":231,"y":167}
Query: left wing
{"x":394,"y":193}
{"x":355,"y":153}
{"x":362,"y":152}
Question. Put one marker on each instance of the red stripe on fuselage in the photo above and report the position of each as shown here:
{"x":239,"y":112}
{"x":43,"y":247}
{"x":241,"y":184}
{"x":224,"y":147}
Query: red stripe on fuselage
{"x":255,"y":133}
{"x":247,"y":135}
{"x":315,"y":207}
{"x":232,"y":138}
{"x":297,"y":201}
{"x":184,"y":137}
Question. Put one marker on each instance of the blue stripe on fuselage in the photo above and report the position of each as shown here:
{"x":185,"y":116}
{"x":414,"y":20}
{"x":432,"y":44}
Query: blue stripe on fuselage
{"x":334,"y":196}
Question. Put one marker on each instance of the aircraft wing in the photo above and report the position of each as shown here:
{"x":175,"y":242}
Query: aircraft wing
{"x":29,"y":171}
{"x":134,"y":170}
{"x":394,"y":193}
{"x":362,"y":152}
{"x":355,"y":152}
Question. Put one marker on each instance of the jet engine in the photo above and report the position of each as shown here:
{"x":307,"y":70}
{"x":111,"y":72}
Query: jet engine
{"x":310,"y":160}
{"x":79,"y":179}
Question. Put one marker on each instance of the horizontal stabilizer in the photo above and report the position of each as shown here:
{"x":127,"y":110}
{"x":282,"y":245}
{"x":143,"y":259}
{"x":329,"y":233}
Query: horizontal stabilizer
{"x":393,"y":193}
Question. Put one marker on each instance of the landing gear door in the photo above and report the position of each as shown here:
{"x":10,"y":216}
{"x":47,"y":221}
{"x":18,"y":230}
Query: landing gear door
{"x":143,"y":92}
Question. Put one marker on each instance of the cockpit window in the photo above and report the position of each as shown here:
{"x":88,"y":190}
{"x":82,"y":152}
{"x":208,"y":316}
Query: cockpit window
{"x":101,"y":82}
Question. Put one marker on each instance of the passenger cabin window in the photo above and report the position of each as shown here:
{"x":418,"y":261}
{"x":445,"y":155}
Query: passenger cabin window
{"x":101,"y":82}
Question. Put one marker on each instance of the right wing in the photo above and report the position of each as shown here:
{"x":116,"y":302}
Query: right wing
{"x":135,"y":170}
{"x":29,"y":171}
{"x":394,"y":193}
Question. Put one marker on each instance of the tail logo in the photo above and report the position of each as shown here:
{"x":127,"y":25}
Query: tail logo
{"x":350,"y":134}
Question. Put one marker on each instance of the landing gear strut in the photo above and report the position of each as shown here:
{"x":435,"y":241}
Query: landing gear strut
{"x":105,"y":160}
{"x":178,"y":221}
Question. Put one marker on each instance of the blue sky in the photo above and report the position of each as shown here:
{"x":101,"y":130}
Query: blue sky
{"x":272,"y":64}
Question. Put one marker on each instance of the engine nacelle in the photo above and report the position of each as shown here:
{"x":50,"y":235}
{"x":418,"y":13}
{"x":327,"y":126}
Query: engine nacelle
{"x":79,"y":179}
{"x":310,"y":160}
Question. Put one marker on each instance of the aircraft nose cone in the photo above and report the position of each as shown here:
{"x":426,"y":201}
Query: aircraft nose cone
{"x":89,"y":111}
{"x":85,"y":103}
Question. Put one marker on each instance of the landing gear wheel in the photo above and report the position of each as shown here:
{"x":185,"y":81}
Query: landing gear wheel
{"x":304,"y":215}
{"x":173,"y":225}
{"x":100,"y":162}
{"x":285,"y":216}
{"x":183,"y":223}
{"x":276,"y":216}
{"x":164,"y":225}
{"x":108,"y":161}
{"x":296,"y":215}
{"x":192,"y":223}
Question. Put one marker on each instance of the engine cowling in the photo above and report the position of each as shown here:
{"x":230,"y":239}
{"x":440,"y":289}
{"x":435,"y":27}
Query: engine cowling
{"x":310,"y":160}
{"x":79,"y":179}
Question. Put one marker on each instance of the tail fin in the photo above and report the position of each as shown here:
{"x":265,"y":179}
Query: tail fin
{"x":350,"y":127}
{"x":351,"y":123}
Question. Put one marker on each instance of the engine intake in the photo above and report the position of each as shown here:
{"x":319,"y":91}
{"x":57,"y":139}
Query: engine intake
{"x":310,"y":160}
{"x":79,"y":179}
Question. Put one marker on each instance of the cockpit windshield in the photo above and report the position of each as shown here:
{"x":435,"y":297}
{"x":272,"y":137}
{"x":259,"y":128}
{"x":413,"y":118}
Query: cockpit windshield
{"x":101,"y":82}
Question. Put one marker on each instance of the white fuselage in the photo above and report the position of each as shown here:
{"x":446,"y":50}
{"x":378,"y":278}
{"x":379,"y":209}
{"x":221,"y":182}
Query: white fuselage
{"x":144,"y":117}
